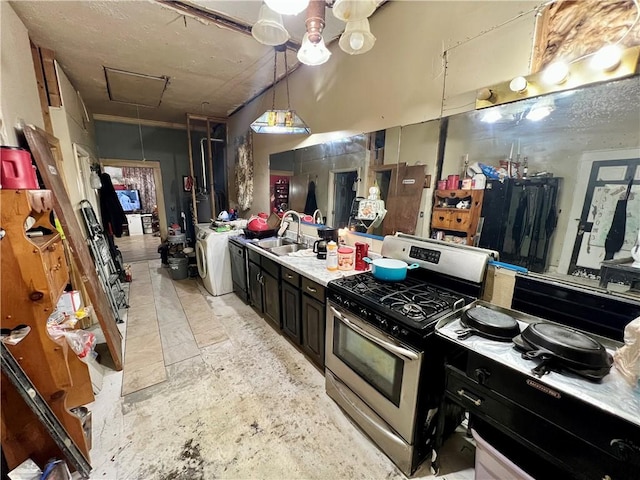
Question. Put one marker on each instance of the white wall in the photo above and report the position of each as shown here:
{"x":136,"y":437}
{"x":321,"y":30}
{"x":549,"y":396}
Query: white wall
{"x":18,"y":87}
{"x":70,"y":126}
{"x":402,"y":80}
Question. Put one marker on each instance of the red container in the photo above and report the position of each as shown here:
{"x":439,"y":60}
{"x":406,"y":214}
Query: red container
{"x":442,"y":184}
{"x":362,"y":250}
{"x":16,"y":170}
{"x":452,"y":182}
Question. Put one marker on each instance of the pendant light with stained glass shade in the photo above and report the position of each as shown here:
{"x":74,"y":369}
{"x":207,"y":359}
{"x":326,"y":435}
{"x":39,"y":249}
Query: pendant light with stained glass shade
{"x":279,"y":121}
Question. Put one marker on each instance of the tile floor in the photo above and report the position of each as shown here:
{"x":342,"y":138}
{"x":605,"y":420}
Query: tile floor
{"x":210,"y":390}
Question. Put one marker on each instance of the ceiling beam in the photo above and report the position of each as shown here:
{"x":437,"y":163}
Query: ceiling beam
{"x":217,"y":18}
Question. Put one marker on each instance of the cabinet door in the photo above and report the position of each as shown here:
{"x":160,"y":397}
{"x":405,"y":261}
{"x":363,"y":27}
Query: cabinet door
{"x":255,"y":286}
{"x":271,"y":298}
{"x":291,"y":312}
{"x":313,"y":327}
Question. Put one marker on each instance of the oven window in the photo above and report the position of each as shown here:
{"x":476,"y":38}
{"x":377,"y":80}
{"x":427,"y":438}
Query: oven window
{"x":381,"y":369}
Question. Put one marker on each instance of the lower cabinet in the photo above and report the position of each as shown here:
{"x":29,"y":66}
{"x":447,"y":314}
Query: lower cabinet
{"x":271,"y":298}
{"x":313,"y":321}
{"x":255,"y":286}
{"x":264,"y":287}
{"x":291,"y":321}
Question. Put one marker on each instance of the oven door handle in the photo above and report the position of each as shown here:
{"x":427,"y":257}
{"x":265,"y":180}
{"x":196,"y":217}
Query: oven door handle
{"x":402,"y":352}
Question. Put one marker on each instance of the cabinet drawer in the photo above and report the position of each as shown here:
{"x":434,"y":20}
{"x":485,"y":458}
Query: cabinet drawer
{"x":313,"y":289}
{"x":254,"y":256}
{"x":460,"y":220}
{"x":272,"y":267}
{"x":291,"y":277}
{"x":441,"y":220}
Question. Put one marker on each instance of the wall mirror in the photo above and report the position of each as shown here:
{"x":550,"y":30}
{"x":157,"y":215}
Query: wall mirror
{"x":581,"y":149}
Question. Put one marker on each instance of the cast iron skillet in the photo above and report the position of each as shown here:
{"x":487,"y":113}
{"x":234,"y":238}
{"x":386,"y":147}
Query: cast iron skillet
{"x":488,"y":323}
{"x":563,"y":347}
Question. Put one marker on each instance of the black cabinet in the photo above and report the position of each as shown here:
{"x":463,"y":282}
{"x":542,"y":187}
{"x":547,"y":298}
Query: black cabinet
{"x":313,"y":321}
{"x":264,"y":286}
{"x":271,"y":298}
{"x":291,"y":320}
{"x":255,"y":286}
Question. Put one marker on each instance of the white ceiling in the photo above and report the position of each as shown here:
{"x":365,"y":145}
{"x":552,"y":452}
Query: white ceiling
{"x":204,"y":62}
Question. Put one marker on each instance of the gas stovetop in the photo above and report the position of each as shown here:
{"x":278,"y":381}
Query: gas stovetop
{"x":413,"y":304}
{"x":411,"y":299}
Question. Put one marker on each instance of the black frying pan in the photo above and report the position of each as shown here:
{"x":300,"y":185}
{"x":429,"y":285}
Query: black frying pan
{"x":564,"y":346}
{"x":488,"y":323}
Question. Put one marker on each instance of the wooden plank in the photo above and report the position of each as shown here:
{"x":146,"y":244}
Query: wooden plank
{"x":64,"y":210}
{"x":51,"y":77}
{"x":404,"y":199}
{"x":42,"y":88}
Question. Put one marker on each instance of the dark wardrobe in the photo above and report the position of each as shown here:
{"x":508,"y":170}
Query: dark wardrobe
{"x":519,"y":217}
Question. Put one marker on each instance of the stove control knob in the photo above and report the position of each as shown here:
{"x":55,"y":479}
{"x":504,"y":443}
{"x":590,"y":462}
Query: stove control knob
{"x":363,"y":312}
{"x":395,"y":330}
{"x":383,"y":323}
{"x":404,"y":332}
{"x":378,"y":318}
{"x":482,"y":375}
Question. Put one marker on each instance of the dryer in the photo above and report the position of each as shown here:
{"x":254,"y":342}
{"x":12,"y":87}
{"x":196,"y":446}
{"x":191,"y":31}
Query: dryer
{"x":214,"y":259}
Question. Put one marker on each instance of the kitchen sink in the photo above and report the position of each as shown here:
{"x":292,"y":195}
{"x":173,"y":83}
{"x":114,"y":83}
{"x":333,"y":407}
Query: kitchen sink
{"x":286,"y":249}
{"x":275,"y":242}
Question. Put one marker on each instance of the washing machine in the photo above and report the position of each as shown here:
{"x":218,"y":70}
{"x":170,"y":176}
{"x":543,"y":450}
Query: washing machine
{"x":214,"y":259}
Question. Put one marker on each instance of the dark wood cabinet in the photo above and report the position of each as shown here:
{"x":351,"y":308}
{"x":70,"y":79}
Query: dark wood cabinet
{"x":264,"y":287}
{"x":291,"y":321}
{"x":255,"y":286}
{"x":271,"y":298}
{"x":313,"y":328}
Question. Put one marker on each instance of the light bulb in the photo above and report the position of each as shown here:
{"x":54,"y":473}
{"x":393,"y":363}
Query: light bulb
{"x":287,"y":7}
{"x":607,"y":58}
{"x":518,"y":84}
{"x":356,"y":40}
{"x":556,"y":73}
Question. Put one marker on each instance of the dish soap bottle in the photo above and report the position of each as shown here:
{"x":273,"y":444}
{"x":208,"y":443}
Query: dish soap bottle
{"x":332,"y":256}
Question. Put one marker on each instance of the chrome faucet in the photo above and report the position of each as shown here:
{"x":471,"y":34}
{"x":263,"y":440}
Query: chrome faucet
{"x":317,"y":217}
{"x":297,"y":215}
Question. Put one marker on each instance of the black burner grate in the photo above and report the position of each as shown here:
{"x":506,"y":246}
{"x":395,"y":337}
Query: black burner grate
{"x":414,"y":299}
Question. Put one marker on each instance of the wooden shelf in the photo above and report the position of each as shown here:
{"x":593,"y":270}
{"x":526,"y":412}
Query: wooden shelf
{"x":457,"y":220}
{"x":37,"y":273}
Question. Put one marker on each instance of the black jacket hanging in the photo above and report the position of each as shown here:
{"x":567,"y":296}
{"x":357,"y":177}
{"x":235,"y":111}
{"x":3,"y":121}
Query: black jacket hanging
{"x":113,"y":216}
{"x":311,"y":204}
{"x":615,"y":237}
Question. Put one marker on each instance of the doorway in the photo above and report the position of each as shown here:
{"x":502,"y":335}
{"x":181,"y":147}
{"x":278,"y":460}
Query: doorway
{"x":610,"y":182}
{"x":141,"y":183}
{"x":345,"y":188}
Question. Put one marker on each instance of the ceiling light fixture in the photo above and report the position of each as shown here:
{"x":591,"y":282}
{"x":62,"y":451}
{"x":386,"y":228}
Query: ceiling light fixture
{"x":280,"y":121}
{"x":313,"y":51}
{"x":269,"y":29}
{"x":357,"y":38}
{"x":287,"y":7}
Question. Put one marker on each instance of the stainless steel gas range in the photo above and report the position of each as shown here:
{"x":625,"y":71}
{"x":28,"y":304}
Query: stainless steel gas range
{"x":382,"y":365}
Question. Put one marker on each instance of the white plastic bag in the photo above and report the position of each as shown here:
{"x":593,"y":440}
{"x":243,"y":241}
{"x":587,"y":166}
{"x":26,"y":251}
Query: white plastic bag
{"x":627,"y":358}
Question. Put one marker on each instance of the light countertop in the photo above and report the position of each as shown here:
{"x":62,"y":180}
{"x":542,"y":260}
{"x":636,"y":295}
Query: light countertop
{"x":307,"y":266}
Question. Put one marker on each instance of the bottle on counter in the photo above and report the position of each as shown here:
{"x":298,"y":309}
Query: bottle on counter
{"x":332,"y":256}
{"x":346,"y":258}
